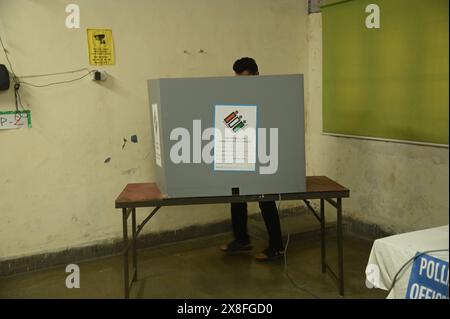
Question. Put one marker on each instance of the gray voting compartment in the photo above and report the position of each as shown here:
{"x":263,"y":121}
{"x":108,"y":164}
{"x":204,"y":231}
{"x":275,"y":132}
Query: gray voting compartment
{"x":186,"y":107}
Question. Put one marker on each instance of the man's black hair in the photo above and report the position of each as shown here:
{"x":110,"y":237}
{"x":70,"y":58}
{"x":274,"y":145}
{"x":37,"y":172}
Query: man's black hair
{"x":246,"y":63}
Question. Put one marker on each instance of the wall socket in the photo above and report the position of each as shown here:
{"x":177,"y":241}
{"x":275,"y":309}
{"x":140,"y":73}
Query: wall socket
{"x":99,"y":75}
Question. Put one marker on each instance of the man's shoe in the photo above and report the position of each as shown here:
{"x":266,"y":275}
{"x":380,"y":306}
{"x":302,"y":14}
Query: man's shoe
{"x":269,"y":254}
{"x":234,"y":246}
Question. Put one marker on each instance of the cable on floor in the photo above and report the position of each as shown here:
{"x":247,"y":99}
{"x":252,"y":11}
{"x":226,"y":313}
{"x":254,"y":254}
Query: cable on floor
{"x":286,"y":272}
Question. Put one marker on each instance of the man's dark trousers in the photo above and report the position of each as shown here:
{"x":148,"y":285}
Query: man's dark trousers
{"x":271,"y":219}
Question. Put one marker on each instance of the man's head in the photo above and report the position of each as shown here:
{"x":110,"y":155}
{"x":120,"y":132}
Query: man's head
{"x":245,"y":66}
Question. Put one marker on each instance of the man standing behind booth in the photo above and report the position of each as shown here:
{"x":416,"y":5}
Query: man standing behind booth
{"x":246,"y":67}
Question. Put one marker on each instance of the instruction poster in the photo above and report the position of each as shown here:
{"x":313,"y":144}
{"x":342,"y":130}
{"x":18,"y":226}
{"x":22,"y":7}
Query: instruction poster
{"x":15,"y":119}
{"x":101,"y":47}
{"x":156,"y":134}
{"x":235,"y":137}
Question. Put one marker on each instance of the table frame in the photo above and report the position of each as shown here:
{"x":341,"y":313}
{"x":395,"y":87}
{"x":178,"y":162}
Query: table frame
{"x":334,"y":198}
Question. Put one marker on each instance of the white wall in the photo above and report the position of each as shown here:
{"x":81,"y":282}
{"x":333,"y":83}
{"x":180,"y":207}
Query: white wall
{"x":55,"y":190}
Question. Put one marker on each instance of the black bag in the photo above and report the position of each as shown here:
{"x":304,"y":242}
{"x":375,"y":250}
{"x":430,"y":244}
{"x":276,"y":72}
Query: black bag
{"x":4,"y":78}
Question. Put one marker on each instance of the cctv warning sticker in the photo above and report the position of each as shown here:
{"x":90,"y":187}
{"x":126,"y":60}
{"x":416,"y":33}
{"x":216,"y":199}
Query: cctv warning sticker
{"x":101,"y":47}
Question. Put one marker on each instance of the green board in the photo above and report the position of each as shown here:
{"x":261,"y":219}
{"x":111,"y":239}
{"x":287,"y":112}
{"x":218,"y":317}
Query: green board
{"x":388,"y":83}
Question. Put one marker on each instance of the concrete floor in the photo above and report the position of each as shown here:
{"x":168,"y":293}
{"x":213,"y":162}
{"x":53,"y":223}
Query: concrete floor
{"x":197,"y":269}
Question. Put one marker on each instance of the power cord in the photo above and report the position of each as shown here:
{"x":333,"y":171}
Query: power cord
{"x":17,"y":79}
{"x":9,"y":61}
{"x":51,"y":74}
{"x":286,"y":272}
{"x":56,"y":83}
{"x":18,"y":100}
{"x":394,"y":281}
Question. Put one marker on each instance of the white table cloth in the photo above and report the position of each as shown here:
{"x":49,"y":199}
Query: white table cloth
{"x":390,"y":253}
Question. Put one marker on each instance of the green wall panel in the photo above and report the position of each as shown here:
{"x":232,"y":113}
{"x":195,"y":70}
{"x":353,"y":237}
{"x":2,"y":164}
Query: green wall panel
{"x":391,"y":82}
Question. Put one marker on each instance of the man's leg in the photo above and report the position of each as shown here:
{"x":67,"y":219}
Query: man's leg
{"x":241,"y":240}
{"x":272,"y":220}
{"x":239,"y":222}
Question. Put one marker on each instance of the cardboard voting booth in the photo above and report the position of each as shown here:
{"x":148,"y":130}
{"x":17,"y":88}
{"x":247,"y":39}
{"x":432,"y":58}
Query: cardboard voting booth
{"x":221,"y":136}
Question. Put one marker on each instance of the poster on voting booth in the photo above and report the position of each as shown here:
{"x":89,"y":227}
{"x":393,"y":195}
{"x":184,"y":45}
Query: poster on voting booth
{"x":235,"y":137}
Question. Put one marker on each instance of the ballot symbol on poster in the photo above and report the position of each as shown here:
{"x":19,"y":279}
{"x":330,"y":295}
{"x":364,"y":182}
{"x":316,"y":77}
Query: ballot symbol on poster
{"x":235,"y":122}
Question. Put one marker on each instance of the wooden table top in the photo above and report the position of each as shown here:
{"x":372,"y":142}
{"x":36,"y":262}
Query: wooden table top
{"x":149,"y":195}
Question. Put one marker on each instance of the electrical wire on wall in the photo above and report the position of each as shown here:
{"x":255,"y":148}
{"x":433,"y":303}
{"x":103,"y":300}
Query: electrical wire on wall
{"x":52,"y":74}
{"x":17,"y":98}
{"x":9,"y":61}
{"x":18,"y":79}
{"x":59,"y":82}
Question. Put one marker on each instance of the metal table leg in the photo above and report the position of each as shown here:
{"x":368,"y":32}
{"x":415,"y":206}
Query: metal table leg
{"x":125,"y":253}
{"x":135,"y":230}
{"x":323,"y":235}
{"x":340,"y":246}
{"x":133,"y":221}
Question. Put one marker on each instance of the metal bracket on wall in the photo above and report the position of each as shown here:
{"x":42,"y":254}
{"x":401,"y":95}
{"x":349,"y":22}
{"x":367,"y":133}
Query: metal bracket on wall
{"x":314,"y":6}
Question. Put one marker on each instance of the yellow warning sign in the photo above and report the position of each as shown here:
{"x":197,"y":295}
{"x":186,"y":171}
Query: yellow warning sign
{"x":101,"y":47}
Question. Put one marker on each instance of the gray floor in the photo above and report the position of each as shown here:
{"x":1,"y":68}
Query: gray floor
{"x":197,"y":269}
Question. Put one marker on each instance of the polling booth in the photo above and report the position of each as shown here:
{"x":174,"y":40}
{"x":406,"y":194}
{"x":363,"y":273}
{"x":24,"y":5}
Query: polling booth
{"x":222,"y":140}
{"x":222,"y":136}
